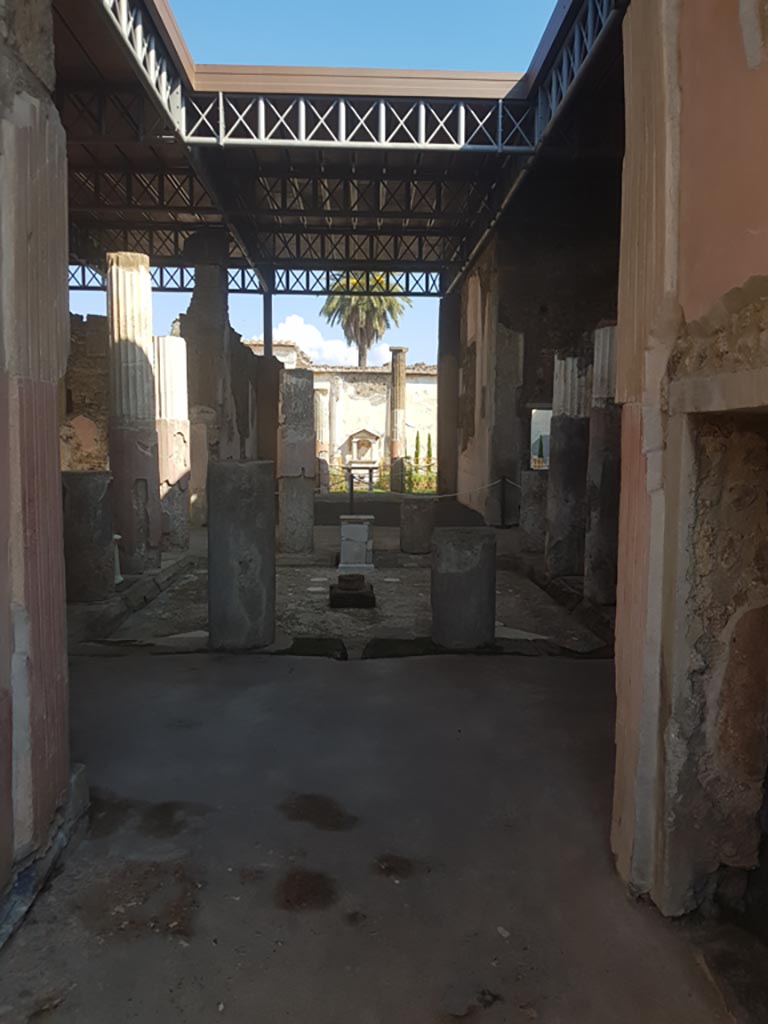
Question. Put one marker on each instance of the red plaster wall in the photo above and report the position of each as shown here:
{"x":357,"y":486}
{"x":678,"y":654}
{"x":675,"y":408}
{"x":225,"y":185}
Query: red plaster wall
{"x":723,"y":157}
{"x":45,"y":596}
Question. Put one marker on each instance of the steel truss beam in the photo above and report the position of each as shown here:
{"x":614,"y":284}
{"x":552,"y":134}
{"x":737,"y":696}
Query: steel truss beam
{"x":129,"y":191}
{"x":477,"y":125}
{"x":267,"y":198}
{"x":347,"y":250}
{"x":304,"y":249}
{"x":223,"y":118}
{"x":589,"y":25}
{"x":166,"y":245}
{"x":157,"y":68}
{"x":411,"y":283}
{"x":243,"y":280}
{"x":403,"y":198}
{"x":164,"y":279}
{"x":116,"y":116}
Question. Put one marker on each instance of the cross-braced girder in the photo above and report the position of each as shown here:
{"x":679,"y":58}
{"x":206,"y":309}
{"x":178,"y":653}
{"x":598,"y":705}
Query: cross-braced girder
{"x":243,"y":280}
{"x":221,"y":118}
{"x":275,"y":198}
{"x":477,"y":125}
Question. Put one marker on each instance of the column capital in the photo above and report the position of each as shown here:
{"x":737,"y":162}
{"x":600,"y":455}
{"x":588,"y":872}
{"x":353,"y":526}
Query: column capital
{"x":127,"y":260}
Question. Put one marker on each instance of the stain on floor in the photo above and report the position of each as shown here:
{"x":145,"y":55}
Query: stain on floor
{"x":394,"y":865}
{"x":306,"y":890}
{"x":144,"y":898}
{"x":320,"y":811}
{"x":110,"y":812}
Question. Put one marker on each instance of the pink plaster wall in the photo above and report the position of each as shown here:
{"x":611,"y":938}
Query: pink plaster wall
{"x":723,"y":156}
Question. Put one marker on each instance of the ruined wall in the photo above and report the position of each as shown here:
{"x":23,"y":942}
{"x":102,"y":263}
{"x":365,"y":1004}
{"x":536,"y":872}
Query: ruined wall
{"x":558,"y":258}
{"x":34,"y":339}
{"x":83,"y":432}
{"x":548,"y":278}
{"x":237,"y":417}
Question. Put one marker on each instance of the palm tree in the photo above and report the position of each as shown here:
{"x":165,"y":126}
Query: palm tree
{"x":364,"y":316}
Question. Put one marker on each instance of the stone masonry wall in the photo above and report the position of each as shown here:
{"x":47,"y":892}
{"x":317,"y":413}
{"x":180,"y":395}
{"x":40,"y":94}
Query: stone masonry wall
{"x":83,"y":433}
{"x":717,"y":733}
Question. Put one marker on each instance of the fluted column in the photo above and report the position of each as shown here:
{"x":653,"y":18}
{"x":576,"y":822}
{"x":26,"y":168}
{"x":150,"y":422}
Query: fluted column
{"x":603,"y":474}
{"x":173,"y":438}
{"x":568,"y":454}
{"x":133,"y":450}
{"x":397,"y":421}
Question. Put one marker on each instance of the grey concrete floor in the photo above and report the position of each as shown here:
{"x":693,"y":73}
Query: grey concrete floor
{"x":381,"y":842}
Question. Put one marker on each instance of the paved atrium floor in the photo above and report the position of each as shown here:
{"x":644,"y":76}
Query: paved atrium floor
{"x":366,"y":842}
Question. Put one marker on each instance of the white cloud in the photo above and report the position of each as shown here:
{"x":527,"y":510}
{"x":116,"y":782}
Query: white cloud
{"x":325,"y":351}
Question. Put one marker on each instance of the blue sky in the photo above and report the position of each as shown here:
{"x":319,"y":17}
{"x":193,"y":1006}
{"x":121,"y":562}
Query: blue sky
{"x":500,"y":35}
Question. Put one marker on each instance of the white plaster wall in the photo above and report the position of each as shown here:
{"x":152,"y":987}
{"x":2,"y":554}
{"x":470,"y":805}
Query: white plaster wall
{"x":358,"y":402}
{"x":421,"y":414}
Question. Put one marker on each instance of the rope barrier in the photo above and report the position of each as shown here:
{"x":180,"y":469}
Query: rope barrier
{"x":483,"y":487}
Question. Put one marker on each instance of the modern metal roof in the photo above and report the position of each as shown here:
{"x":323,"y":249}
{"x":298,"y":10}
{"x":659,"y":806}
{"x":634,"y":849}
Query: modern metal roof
{"x":299,"y":176}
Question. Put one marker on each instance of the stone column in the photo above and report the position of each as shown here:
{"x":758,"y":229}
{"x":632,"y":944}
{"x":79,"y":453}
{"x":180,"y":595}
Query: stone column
{"x":508,"y":448}
{"x":241,"y":555}
{"x":417,"y":521}
{"x":205,"y":327}
{"x":603,"y":474}
{"x":464,"y":587}
{"x":198,"y":473}
{"x":449,"y":346}
{"x":568,"y":455}
{"x":321,"y":442}
{"x":534,"y":485}
{"x":267,"y":406}
{"x":397,"y":421}
{"x":173,"y":437}
{"x":296,"y":462}
{"x":89,"y":546}
{"x":132,"y":428}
